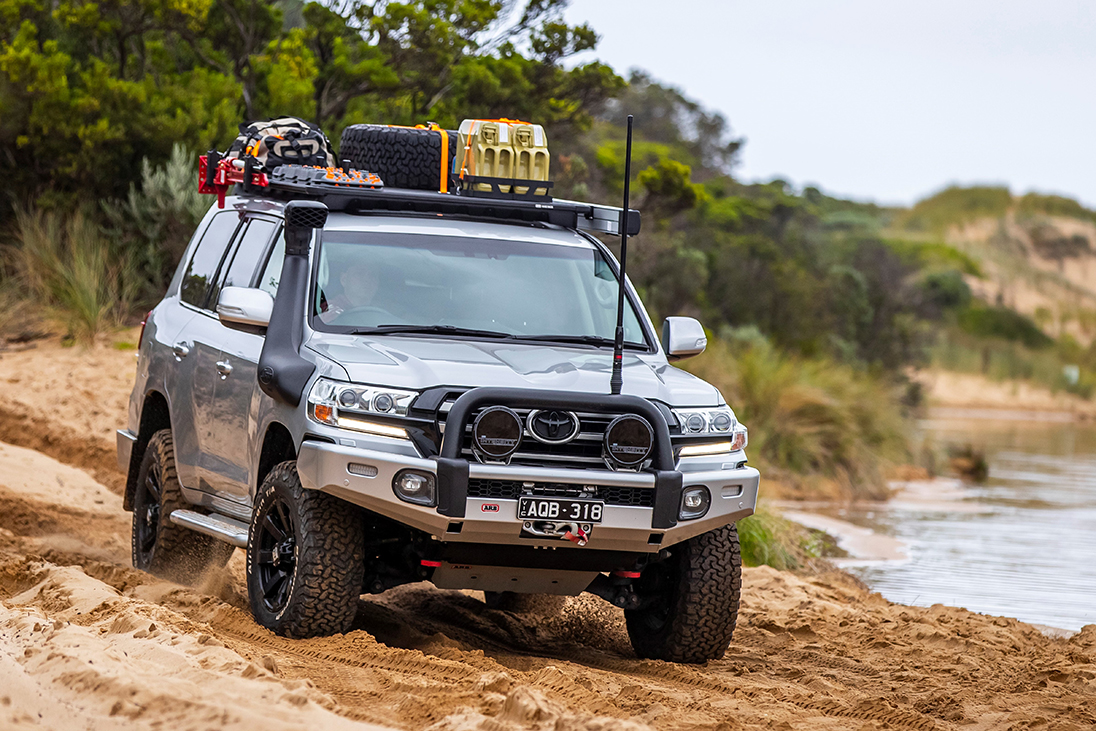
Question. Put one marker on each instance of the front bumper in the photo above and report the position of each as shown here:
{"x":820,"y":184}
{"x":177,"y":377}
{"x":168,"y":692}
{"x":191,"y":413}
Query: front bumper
{"x":326,"y":467}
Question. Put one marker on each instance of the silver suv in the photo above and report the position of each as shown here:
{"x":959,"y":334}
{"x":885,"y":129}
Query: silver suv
{"x":367,"y":396}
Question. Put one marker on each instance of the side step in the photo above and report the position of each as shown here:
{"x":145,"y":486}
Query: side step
{"x":222,"y":527}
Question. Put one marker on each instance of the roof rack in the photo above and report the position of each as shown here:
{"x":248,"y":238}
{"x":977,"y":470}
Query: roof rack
{"x":355,"y":191}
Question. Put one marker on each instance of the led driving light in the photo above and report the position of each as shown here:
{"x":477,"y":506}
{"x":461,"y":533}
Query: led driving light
{"x":695,"y":502}
{"x":738,"y":440}
{"x":416,"y":487}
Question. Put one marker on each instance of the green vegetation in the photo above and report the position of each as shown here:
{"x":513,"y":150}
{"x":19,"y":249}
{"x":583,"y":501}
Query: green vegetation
{"x":809,"y":419}
{"x":821,"y":305}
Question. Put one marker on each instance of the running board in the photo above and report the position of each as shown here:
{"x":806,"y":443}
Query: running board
{"x":219,"y":526}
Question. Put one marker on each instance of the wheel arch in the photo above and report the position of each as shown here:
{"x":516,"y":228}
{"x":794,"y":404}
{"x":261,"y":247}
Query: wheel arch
{"x":155,"y":415}
{"x":278,"y":446}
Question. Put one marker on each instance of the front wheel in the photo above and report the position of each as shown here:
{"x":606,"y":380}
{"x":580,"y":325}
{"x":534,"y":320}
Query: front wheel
{"x":691,"y":600}
{"x":305,"y":558}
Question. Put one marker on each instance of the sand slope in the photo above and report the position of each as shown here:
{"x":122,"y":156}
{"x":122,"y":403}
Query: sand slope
{"x":88,"y":643}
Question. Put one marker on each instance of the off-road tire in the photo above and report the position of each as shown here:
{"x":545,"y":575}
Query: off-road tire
{"x":329,"y":564}
{"x":701,"y":584}
{"x":177,"y":554}
{"x":402,"y":157}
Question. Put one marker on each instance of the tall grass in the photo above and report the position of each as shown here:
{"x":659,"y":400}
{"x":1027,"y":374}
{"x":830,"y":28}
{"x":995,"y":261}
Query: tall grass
{"x":65,"y":265}
{"x":825,"y":427}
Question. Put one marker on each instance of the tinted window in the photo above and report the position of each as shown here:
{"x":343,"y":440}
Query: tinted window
{"x":207,"y":257}
{"x":272,"y":272}
{"x":246,"y":256}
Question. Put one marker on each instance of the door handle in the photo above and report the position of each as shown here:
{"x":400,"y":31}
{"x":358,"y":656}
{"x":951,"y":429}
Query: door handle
{"x":224,"y":368}
{"x":181,"y":350}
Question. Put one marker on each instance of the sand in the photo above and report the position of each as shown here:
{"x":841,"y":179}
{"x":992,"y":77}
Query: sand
{"x":88,"y":643}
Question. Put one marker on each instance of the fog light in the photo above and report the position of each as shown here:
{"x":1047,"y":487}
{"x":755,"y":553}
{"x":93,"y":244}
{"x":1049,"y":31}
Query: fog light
{"x":695,"y":502}
{"x":415,"y":487}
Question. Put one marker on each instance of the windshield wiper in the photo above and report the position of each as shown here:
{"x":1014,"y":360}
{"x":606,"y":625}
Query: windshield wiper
{"x":431,"y":330}
{"x":581,"y":340}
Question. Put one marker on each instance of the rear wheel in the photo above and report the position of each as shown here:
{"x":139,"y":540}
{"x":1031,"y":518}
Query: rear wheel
{"x":691,"y":600}
{"x":159,"y":546}
{"x":305,"y":558}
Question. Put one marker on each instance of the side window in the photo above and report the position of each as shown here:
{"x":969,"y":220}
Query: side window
{"x":207,"y":257}
{"x":246,"y":257}
{"x":272,"y":272}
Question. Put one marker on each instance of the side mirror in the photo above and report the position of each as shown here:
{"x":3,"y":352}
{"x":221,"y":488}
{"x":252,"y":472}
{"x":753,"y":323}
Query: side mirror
{"x":244,"y":306}
{"x":683,"y":337}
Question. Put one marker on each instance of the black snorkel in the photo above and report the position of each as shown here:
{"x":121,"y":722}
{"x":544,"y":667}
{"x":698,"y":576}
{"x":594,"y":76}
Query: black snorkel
{"x":283,"y":373}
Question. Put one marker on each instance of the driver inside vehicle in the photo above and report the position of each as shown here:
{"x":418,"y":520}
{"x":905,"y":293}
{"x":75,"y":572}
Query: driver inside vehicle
{"x":359,"y":283}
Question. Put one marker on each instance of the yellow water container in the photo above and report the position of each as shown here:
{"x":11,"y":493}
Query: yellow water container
{"x":531,"y":152}
{"x":503,"y":148}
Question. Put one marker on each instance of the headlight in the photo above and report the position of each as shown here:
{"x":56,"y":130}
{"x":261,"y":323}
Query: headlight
{"x":348,"y":406}
{"x":739,"y":437}
{"x":719,"y":420}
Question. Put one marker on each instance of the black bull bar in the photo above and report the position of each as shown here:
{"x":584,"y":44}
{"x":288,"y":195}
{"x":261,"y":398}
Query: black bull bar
{"x":453,"y":468}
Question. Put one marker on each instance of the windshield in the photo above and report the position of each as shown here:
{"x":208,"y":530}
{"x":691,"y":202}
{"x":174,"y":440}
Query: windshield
{"x":400,"y":281}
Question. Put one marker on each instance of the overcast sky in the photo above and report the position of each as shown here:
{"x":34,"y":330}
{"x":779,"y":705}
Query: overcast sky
{"x":876,"y":99}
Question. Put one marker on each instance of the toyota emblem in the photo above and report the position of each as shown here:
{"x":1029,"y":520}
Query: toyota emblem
{"x":551,"y":426}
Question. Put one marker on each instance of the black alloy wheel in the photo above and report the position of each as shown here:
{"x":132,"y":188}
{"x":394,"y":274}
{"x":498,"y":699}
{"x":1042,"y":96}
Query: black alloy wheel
{"x":277,"y":561}
{"x":305,"y":558}
{"x":159,"y":546}
{"x":146,"y":515}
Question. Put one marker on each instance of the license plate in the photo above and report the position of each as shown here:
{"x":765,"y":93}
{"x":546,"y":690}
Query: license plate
{"x":582,"y":511}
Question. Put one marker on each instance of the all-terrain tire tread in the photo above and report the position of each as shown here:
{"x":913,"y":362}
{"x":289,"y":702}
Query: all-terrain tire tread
{"x":180,"y":555}
{"x":403,"y":158}
{"x":705,"y":611}
{"x":330,"y":563}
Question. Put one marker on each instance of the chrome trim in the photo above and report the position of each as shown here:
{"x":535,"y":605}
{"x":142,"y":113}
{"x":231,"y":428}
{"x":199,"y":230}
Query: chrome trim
{"x":220,"y":527}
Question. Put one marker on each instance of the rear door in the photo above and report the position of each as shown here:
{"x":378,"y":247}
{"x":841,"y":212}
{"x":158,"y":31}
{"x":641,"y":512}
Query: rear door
{"x":197,"y":349}
{"x":236,"y":397}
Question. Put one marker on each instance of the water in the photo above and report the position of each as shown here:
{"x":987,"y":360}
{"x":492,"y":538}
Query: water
{"x":1022,"y":545}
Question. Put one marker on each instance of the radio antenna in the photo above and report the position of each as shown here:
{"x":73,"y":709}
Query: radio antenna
{"x":616,"y":381}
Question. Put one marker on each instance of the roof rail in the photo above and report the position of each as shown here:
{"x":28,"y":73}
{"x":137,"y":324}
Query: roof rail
{"x":348,"y":191}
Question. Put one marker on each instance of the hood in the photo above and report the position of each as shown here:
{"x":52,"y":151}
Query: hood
{"x":419,"y":363}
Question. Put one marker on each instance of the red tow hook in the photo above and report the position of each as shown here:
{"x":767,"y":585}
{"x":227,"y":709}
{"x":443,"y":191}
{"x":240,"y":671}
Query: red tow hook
{"x":580,"y":540}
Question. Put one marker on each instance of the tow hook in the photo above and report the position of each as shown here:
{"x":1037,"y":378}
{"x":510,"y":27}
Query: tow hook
{"x":574,"y":532}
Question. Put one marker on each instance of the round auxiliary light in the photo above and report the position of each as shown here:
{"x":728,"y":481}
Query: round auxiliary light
{"x":383,"y":403}
{"x":496,"y":434}
{"x":348,"y":398}
{"x":628,"y":441}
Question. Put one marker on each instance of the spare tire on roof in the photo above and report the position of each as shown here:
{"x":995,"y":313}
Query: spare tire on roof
{"x":403,"y":157}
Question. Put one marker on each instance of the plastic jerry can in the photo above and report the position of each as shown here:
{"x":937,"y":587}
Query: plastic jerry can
{"x":488,"y":151}
{"x":531,"y":150}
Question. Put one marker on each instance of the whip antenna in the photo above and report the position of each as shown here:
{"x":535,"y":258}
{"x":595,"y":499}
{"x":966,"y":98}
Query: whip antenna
{"x":617,"y":379}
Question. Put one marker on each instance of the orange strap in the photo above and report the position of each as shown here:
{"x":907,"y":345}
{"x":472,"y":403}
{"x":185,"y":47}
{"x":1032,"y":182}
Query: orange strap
{"x":444,"y":158}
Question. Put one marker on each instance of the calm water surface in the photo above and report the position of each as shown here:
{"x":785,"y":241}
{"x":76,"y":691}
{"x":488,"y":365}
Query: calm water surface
{"x":1024,"y":545}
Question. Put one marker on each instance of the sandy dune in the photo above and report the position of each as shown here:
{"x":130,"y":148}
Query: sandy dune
{"x":87,"y":642}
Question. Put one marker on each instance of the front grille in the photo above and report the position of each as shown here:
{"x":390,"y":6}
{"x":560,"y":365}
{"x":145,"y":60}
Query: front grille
{"x":639,"y":497}
{"x":584,"y":451}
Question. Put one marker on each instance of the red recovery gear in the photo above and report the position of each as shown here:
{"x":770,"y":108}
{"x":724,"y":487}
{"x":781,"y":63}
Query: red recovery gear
{"x":580,"y":540}
{"x":228,"y":173}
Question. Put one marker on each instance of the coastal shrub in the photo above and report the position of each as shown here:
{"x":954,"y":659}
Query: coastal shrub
{"x":810,"y":418}
{"x":65,"y":265}
{"x":1001,"y":322}
{"x":153,"y":225}
{"x":955,"y":206}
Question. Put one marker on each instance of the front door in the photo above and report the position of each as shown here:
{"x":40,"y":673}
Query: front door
{"x":235,"y":444}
